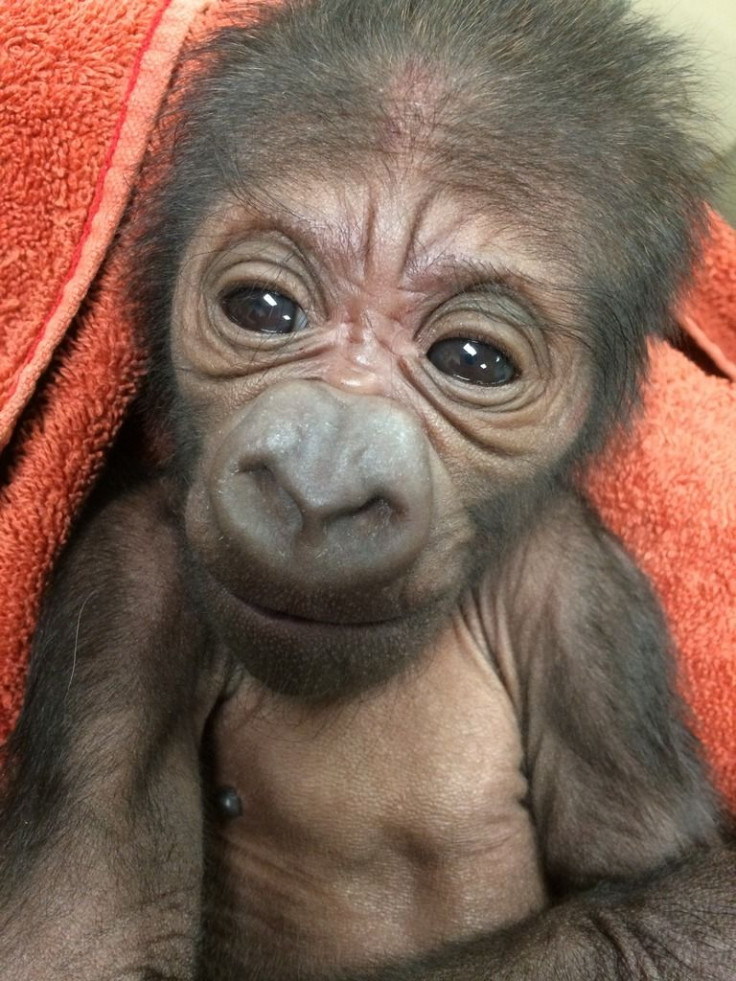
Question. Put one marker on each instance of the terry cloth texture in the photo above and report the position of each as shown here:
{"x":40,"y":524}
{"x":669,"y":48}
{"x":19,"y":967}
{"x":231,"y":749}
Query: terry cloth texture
{"x":81,"y":86}
{"x":82,"y":83}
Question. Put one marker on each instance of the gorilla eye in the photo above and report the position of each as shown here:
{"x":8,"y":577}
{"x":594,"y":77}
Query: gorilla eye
{"x":262,"y":310}
{"x":472,"y":361}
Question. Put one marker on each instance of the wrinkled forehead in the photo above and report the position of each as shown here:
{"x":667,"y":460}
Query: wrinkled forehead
{"x":398,"y":219}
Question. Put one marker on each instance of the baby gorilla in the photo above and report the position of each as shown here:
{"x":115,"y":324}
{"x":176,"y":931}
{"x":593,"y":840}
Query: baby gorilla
{"x":359,"y":684}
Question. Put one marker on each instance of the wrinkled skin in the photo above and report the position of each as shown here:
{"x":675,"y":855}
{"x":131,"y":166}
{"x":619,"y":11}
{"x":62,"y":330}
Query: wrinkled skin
{"x":361,"y":686}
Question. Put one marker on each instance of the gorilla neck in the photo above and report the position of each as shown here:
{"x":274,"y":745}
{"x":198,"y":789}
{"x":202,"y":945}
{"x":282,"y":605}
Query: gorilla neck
{"x":375,"y":827}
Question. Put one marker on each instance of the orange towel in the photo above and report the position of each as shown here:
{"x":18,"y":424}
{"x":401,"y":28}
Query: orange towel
{"x":81,"y":86}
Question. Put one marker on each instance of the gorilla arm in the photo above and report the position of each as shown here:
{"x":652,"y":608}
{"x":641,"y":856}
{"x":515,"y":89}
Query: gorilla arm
{"x":100,"y":865}
{"x":646,"y":883}
{"x":678,"y":926}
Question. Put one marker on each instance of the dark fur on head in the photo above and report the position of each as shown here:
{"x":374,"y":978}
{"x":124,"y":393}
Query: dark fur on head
{"x":570,"y":121}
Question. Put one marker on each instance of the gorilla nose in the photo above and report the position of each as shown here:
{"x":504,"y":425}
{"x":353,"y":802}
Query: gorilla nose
{"x":323,"y":487}
{"x":346,"y":503}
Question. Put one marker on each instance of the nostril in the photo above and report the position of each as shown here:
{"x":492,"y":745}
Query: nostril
{"x":261,"y":483}
{"x":377,"y":507}
{"x":347,"y":521}
{"x":377,"y":514}
{"x":261,"y":476}
{"x":370,"y":521}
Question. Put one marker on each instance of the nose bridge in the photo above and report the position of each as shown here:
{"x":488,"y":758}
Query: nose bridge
{"x":363,"y":355}
{"x":358,"y":379}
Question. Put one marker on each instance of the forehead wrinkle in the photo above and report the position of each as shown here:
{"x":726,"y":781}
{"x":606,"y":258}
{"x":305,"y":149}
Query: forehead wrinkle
{"x":363,"y":226}
{"x":473,"y":275}
{"x":239,"y":218}
{"x":394,"y":222}
{"x":411,"y":251}
{"x":371,"y":226}
{"x":385,"y":236}
{"x":369,"y":233}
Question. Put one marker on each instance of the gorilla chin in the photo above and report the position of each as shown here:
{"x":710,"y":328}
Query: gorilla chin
{"x":313,"y":659}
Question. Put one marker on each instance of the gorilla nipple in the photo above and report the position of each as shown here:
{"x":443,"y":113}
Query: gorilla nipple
{"x":229,"y":804}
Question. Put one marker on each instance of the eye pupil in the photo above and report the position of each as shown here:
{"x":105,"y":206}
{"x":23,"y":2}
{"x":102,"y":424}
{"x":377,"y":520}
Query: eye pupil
{"x":261,"y":310}
{"x":472,"y":362}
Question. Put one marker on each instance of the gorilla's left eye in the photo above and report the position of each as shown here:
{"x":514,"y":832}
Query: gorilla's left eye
{"x":472,"y":361}
{"x":262,"y":310}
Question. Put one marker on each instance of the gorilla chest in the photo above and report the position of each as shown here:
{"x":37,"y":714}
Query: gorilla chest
{"x":380,"y":827}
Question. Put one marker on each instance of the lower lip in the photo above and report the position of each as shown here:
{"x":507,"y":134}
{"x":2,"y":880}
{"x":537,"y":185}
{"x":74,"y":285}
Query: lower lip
{"x":277,"y":619}
{"x":276,"y":616}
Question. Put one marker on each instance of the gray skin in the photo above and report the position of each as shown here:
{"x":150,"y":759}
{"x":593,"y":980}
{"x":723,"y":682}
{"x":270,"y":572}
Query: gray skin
{"x":370,"y":690}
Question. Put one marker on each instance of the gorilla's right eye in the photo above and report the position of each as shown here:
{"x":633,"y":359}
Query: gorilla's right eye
{"x":262,"y":310}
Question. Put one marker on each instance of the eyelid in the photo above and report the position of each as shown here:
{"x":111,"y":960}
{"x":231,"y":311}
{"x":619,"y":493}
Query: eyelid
{"x":484,"y":279}
{"x":480,"y":325}
{"x":254,"y":285}
{"x":510,"y":309}
{"x":278,"y":258}
{"x":256,"y":274}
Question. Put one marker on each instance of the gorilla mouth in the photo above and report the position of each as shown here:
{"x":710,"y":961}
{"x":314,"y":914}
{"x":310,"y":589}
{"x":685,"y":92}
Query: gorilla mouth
{"x":279,"y":616}
{"x":299,"y":613}
{"x":315,"y":648}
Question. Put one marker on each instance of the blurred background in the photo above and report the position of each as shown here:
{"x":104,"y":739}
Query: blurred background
{"x":709,"y":26}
